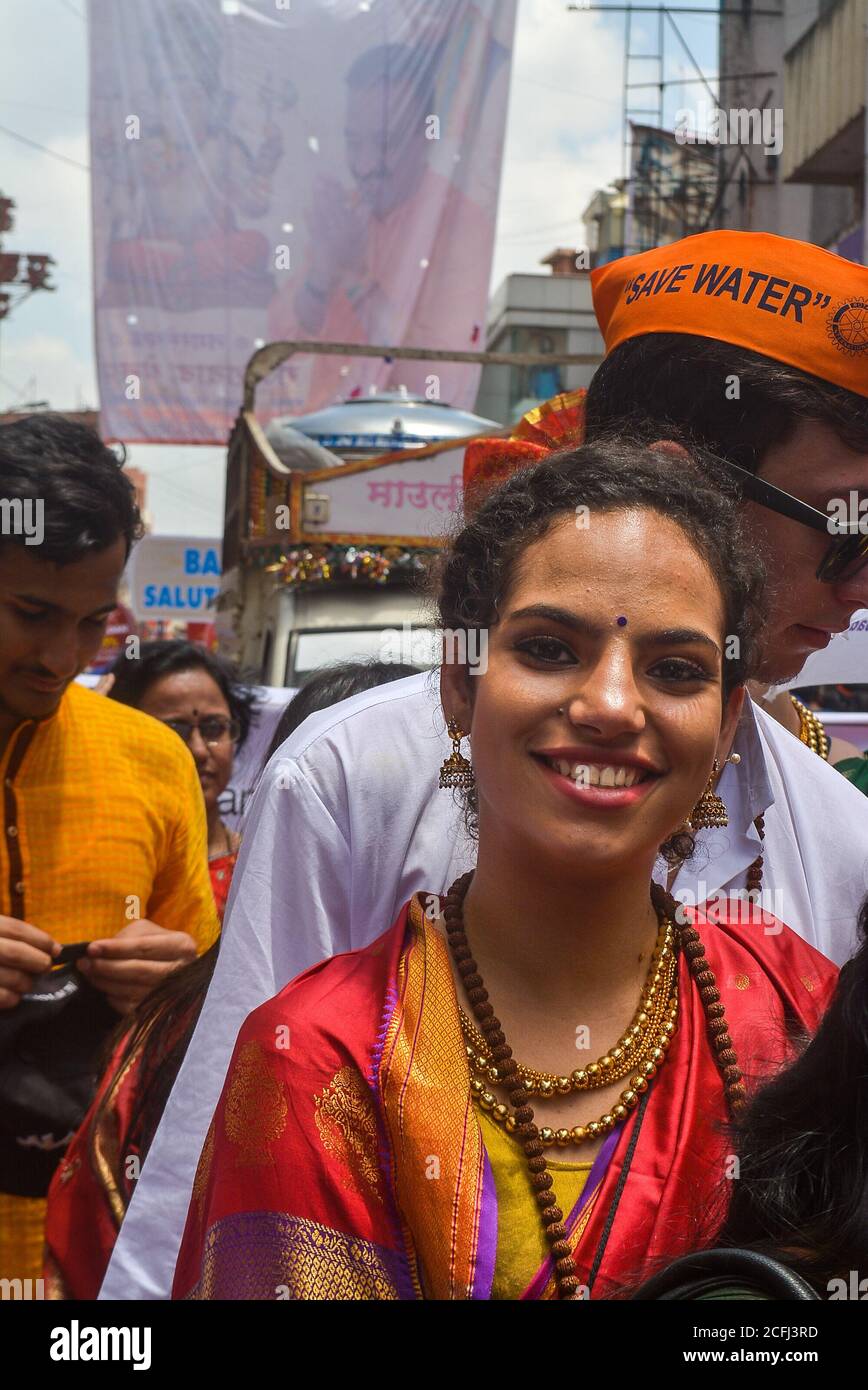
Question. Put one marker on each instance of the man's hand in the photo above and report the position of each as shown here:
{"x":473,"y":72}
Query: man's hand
{"x":25,"y":953}
{"x":127,"y":967}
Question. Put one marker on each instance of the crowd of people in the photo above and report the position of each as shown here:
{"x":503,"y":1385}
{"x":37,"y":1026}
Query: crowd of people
{"x":547,"y":980}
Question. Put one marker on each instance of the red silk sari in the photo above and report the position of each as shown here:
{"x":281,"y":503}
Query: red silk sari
{"x":345,"y":1160}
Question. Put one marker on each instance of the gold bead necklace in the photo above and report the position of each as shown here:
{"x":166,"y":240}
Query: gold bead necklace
{"x":631,"y":1050}
{"x":658,"y":1033}
{"x":595,"y":1129}
{"x":811,"y":730}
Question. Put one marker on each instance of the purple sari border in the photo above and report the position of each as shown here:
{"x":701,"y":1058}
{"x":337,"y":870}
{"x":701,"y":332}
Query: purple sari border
{"x":598,"y":1169}
{"x":594,"y":1178}
{"x":391,"y":1003}
{"x":486,"y":1246}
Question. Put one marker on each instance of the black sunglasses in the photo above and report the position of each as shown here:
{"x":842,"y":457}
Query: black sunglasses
{"x":847,"y":553}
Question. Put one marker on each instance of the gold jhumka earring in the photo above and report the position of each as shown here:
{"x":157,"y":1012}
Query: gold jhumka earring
{"x":710,"y":810}
{"x":456,"y":770}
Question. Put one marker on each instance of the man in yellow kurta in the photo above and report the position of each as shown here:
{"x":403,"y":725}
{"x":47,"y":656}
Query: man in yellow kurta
{"x":103,"y":828}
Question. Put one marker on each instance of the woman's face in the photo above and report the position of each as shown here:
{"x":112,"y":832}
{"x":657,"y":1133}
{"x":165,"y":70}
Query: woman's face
{"x":191,"y":697}
{"x":595,"y":725}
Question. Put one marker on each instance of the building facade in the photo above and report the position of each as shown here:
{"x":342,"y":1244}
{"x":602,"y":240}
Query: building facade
{"x":825,"y":80}
{"x":806,"y":68}
{"x":551,"y":314}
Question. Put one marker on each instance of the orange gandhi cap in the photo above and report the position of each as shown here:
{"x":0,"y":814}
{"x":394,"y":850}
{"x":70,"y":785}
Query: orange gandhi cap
{"x":786,"y":299}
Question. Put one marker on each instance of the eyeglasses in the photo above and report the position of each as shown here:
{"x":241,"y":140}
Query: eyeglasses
{"x":213,"y":729}
{"x":848,"y":552}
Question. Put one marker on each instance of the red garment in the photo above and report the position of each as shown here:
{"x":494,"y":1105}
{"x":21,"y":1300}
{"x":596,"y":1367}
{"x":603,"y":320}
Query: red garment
{"x":315,"y":1177}
{"x":221,"y":871}
{"x":555,"y":424}
{"x":93,"y":1186}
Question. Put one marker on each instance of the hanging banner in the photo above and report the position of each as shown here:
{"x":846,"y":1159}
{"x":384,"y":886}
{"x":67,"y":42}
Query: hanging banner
{"x":319,"y":169}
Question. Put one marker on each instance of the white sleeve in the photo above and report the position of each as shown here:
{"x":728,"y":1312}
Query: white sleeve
{"x":816,"y":844}
{"x":289,"y":897}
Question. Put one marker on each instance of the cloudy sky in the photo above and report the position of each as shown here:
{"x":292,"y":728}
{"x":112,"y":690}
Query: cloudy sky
{"x":563,"y":142}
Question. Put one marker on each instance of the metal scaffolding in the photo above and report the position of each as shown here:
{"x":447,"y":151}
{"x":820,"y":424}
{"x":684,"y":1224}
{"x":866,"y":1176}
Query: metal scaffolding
{"x":675,"y":187}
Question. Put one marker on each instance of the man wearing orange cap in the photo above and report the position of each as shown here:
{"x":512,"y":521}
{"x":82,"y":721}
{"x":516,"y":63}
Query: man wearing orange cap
{"x":750,"y":344}
{"x":708,"y":340}
{"x":757,"y":347}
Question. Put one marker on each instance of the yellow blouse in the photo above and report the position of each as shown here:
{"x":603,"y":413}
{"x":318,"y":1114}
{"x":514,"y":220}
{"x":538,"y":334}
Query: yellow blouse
{"x":521,"y":1241}
{"x":103,"y":823}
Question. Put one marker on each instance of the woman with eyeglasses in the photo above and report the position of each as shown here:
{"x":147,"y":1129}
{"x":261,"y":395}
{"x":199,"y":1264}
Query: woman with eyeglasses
{"x":95,"y":1182}
{"x":193,"y":692}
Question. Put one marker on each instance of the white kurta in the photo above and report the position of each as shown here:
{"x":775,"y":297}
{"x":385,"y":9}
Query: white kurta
{"x":348,"y":823}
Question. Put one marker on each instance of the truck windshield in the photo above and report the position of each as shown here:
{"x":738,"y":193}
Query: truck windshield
{"x":417,"y":646}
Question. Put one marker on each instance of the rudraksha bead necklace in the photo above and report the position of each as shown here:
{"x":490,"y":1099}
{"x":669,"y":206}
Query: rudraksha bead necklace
{"x":501,"y":1057}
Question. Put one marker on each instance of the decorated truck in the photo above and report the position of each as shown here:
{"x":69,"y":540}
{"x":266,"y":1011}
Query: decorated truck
{"x":331,"y":521}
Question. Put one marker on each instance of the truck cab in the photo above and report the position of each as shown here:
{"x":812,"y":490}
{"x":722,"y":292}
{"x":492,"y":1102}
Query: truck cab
{"x":304,"y":628}
{"x":331,"y":523}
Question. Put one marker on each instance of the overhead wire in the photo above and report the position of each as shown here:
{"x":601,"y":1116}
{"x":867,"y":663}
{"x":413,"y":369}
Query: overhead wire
{"x":34,"y":144}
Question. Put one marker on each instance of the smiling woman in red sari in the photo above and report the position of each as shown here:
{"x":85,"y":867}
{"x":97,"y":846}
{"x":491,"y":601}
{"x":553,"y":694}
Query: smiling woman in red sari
{"x":520,"y":1091}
